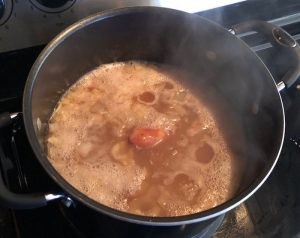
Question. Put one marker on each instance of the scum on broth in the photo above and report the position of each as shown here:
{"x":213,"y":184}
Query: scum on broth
{"x":130,"y":136}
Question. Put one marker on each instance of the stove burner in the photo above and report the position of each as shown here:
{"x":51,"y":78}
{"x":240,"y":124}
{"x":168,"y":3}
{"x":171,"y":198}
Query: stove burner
{"x":52,"y":6}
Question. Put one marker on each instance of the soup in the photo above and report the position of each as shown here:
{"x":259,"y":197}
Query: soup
{"x":132,"y":136}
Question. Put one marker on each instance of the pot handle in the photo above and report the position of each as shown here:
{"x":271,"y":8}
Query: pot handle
{"x":12,"y":200}
{"x":280,"y":39}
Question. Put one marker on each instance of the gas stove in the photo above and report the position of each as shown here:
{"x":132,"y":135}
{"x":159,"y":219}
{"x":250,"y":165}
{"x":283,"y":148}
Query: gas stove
{"x":273,"y":211}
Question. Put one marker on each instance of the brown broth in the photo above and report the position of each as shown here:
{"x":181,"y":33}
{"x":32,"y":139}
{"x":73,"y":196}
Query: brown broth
{"x":190,"y":170}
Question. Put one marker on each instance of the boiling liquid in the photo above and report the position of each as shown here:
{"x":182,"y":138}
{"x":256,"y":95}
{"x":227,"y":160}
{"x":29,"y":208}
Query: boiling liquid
{"x":191,"y":170}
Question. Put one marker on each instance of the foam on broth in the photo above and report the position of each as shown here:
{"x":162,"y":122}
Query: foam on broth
{"x":190,"y":170}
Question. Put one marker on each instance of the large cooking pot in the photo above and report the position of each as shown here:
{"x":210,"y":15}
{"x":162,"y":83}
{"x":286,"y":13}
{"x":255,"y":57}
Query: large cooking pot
{"x":231,"y":79}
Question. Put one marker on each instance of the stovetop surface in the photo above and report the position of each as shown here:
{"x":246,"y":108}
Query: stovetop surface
{"x":273,"y":211}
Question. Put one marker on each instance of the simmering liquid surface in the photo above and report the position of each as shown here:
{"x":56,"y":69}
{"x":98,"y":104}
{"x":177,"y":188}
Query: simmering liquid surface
{"x":132,"y":137}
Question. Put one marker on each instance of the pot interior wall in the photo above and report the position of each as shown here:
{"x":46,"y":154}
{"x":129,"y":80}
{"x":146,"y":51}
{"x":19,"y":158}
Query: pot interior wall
{"x":228,"y":76}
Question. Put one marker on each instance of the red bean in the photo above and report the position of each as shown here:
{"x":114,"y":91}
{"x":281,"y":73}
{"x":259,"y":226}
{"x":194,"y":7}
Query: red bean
{"x":145,"y":138}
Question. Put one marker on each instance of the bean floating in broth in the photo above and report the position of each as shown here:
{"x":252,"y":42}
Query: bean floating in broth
{"x":144,"y":138}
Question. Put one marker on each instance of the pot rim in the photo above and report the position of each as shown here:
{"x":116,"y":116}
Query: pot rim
{"x":138,"y":219}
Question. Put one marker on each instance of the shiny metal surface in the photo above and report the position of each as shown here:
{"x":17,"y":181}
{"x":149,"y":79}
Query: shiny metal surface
{"x":231,"y":31}
{"x":280,"y":86}
{"x":13,"y":115}
{"x":67,"y":201}
{"x":30,"y":23}
{"x":50,"y":197}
